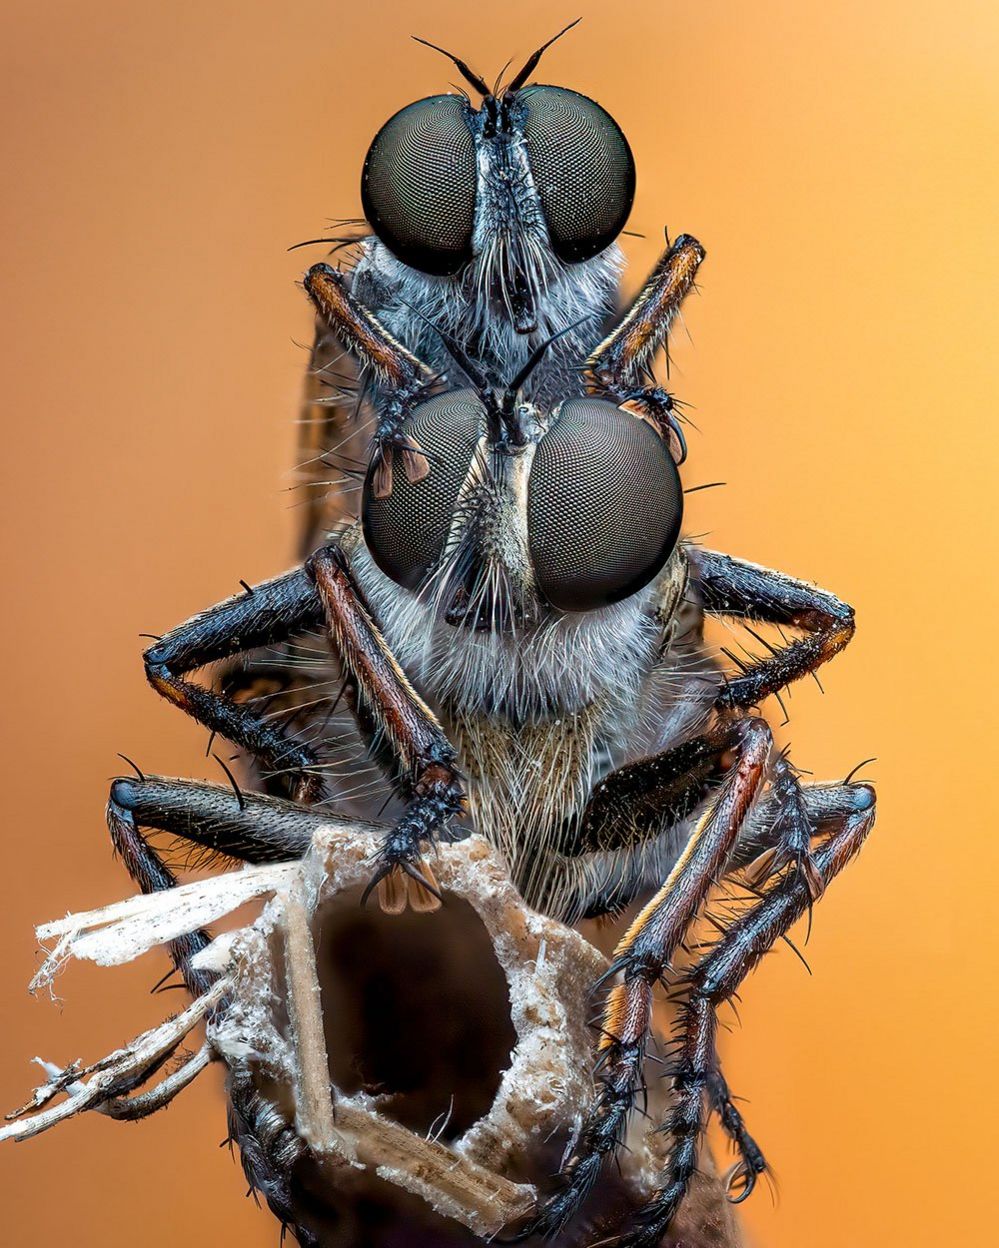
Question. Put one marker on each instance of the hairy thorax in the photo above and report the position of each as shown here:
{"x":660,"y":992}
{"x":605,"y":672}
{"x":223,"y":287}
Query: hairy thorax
{"x":540,"y":714}
{"x":582,"y":295}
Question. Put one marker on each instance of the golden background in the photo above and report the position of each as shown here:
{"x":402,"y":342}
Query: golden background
{"x":839,"y":163}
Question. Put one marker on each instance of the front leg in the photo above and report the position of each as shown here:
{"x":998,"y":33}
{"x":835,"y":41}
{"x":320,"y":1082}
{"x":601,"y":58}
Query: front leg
{"x":262,"y":616}
{"x":403,"y":378}
{"x":741,"y":590}
{"x":324,"y":592}
{"x":616,"y":368}
{"x":617,"y":365}
{"x":426,"y":761}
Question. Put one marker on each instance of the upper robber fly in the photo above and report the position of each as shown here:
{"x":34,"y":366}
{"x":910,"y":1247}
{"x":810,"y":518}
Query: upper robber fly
{"x":494,"y":222}
{"x":534,"y":178}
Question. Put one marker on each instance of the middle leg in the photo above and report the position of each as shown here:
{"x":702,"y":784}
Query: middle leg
{"x":424,"y":761}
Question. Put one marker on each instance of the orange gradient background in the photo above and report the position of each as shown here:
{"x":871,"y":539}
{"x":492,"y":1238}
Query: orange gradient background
{"x":839,"y":163}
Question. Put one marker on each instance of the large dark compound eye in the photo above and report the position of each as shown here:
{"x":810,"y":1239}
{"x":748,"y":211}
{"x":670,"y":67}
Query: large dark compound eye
{"x":406,"y":529}
{"x":418,"y":184}
{"x":604,"y":505}
{"x":582,"y":167}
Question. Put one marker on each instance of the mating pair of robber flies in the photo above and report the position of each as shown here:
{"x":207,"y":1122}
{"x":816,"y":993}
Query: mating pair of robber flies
{"x":515,"y":617}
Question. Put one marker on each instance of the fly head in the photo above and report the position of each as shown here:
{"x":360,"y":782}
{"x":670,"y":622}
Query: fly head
{"x":504,"y":515}
{"x":501,"y":196}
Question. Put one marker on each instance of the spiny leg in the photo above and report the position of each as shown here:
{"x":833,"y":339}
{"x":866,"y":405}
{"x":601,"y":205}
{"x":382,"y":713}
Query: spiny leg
{"x":618,"y":362}
{"x":741,"y":590}
{"x":715,"y":980}
{"x":267,"y":1146}
{"x":640,"y":802}
{"x":152,"y":875}
{"x":616,"y":367}
{"x":625,"y":815}
{"x":263,"y":615}
{"x":404,"y":379}
{"x":630,"y":808}
{"x":324,"y":591}
{"x":752,"y":1163}
{"x":426,"y":761}
{"x":249,"y":827}
{"x":762,"y":839}
{"x":643,"y":957}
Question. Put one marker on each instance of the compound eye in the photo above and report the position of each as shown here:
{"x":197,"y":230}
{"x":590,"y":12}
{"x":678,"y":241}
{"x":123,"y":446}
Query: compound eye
{"x":406,"y":530}
{"x":418,"y":185}
{"x":583,"y":169}
{"x":604,"y":505}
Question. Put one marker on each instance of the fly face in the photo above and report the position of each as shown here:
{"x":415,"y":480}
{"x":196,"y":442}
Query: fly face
{"x":500,"y":198}
{"x":501,"y":514}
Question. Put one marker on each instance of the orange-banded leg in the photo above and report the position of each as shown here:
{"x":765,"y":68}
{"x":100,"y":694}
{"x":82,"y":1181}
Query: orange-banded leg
{"x":642,"y":958}
{"x":425,"y":759}
{"x":404,"y":379}
{"x":626,"y":353}
{"x":714,"y":980}
{"x":617,"y":366}
{"x":324,"y":592}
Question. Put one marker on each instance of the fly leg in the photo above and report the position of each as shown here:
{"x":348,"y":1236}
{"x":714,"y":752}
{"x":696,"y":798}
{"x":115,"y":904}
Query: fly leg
{"x":268,"y":1146}
{"x":151,"y":874}
{"x":617,"y":367}
{"x":248,"y":827}
{"x":264,"y":615}
{"x":740,"y":590}
{"x":714,"y":981}
{"x":622,"y":815}
{"x":405,"y":379}
{"x":642,"y":958}
{"x":324,"y":592}
{"x":621,"y":359}
{"x":631,"y":808}
{"x":425,"y":761}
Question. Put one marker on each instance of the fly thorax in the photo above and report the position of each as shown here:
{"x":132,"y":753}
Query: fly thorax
{"x":413,"y":305}
{"x":526,"y":782}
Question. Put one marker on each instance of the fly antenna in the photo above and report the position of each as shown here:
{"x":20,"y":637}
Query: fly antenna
{"x":457,"y":353}
{"x":499,"y":77}
{"x":512,"y":388}
{"x":469,"y":75}
{"x":532,"y":61}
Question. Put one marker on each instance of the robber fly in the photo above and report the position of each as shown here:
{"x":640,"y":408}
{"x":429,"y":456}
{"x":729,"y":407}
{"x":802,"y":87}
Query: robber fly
{"x":493,"y":223}
{"x":519,"y":624}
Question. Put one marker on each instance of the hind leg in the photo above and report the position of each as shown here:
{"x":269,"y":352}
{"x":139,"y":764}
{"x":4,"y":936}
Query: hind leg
{"x":713,"y":981}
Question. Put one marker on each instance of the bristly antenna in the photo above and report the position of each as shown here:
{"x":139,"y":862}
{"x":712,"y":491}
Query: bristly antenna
{"x":469,"y":76}
{"x":512,"y":387}
{"x":456,"y":352}
{"x":532,"y":61}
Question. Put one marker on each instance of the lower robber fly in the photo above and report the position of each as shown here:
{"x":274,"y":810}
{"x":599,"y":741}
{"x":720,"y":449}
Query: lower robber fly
{"x":518,"y":626}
